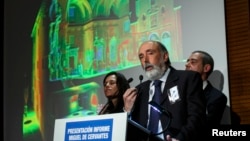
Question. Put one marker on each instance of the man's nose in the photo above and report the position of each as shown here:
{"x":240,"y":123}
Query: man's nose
{"x":187,"y":64}
{"x":146,"y":60}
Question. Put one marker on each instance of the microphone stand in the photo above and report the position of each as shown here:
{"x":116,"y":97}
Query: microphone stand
{"x":163,"y":111}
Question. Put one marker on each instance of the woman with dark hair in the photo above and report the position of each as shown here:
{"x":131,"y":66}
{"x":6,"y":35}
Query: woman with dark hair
{"x":115,"y":84}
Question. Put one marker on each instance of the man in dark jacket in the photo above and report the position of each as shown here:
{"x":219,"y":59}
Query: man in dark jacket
{"x":181,"y":96}
{"x":203,"y":63}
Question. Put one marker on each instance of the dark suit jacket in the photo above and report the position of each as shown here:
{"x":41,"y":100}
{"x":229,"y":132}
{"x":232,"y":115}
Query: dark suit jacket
{"x":216,"y":103}
{"x":188,"y":114}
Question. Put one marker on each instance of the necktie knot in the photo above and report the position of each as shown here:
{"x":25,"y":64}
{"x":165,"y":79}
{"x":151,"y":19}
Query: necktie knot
{"x":157,"y":93}
{"x":157,"y":82}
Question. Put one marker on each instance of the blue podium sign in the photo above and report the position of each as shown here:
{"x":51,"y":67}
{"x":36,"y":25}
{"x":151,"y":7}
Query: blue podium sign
{"x":110,"y":127}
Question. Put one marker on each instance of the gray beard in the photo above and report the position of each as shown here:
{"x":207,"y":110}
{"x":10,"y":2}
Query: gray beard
{"x":155,"y":73}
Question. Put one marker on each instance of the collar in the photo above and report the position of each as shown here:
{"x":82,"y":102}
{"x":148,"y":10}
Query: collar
{"x":205,"y":84}
{"x":164,"y":77}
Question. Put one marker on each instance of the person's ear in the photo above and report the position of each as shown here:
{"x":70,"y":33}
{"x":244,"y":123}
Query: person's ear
{"x":207,"y":68}
{"x":166,"y":56}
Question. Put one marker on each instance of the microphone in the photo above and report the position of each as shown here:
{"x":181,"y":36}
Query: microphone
{"x":138,"y":91}
{"x":130,"y":80}
{"x":141,"y":78}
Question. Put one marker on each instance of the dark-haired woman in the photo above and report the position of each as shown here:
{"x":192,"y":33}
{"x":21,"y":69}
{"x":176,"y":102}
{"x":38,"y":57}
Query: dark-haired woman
{"x":115,"y":84}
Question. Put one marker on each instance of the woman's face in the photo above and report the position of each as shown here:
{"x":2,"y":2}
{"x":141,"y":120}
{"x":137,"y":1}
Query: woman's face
{"x":110,"y":87}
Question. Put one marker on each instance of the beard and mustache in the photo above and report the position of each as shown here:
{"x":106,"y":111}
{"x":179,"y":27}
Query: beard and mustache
{"x":157,"y":71}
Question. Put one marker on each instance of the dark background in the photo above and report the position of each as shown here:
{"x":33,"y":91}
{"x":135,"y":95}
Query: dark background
{"x":19,"y":17}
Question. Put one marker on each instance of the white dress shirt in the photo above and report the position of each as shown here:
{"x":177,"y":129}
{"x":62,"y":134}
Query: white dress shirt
{"x":151,"y":94}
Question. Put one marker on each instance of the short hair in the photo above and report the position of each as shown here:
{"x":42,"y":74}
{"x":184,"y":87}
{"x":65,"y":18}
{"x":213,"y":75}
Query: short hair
{"x":163,"y":49}
{"x":206,"y":59}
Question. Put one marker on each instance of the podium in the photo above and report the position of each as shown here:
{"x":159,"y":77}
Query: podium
{"x":136,"y":132}
{"x":108,"y":127}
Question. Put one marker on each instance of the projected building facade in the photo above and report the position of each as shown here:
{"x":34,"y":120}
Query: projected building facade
{"x":75,"y":42}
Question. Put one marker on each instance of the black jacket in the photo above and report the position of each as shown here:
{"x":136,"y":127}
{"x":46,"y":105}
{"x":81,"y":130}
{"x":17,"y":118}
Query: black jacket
{"x":188,"y":113}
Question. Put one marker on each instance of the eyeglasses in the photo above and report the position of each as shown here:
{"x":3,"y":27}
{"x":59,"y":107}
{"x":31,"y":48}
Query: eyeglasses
{"x":112,"y":82}
{"x":192,"y":61}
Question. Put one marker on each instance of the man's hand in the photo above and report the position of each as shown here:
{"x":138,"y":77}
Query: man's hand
{"x":169,"y":138}
{"x":129,"y":98}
